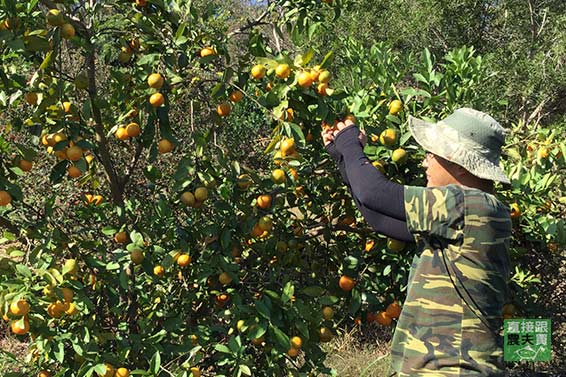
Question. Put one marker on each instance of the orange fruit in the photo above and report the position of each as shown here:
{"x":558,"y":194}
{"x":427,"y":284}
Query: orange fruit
{"x":236,"y":96}
{"x":395,"y":245}
{"x":188,"y":198}
{"x":137,"y":256}
{"x":346,"y":283}
{"x":388,"y":137}
{"x":224,"y":109}
{"x":395,"y":107}
{"x":305,"y":79}
{"x":44,"y":373}
{"x":158,"y":271}
{"x":121,"y":133}
{"x":184,"y":260}
{"x":393,"y":310}
{"x":195,"y":371}
{"x":222,"y":299}
{"x":224,"y":278}
{"x":321,"y":89}
{"x":74,"y":172}
{"x":296,"y":342}
{"x":68,"y":294}
{"x":71,"y":309}
{"x":156,"y":99}
{"x":207,"y":51}
{"x":265,"y":223}
{"x":108,"y":369}
{"x":74,"y":153}
{"x":155,"y":80}
{"x":122,"y":372}
{"x":55,"y":17}
{"x":121,"y":237}
{"x":258,"y":71}
{"x":327,"y":313}
{"x":133,"y":130}
{"x":383,"y":319}
{"x":293,"y":352}
{"x":399,"y":156}
{"x":294,"y":174}
{"x":19,"y":308}
{"x":25,"y":165}
{"x":5,"y":198}
{"x":324,"y":76}
{"x":244,"y":181}
{"x":141,"y":3}
{"x":67,"y":31}
{"x":287,"y":146}
{"x":201,"y":194}
{"x":20,"y":326}
{"x":264,"y":201}
{"x":369,"y":245}
{"x":325,"y":334}
{"x":515,"y":211}
{"x":278,"y":176}
{"x":283,"y":71}
{"x":256,"y":230}
{"x":164,"y":146}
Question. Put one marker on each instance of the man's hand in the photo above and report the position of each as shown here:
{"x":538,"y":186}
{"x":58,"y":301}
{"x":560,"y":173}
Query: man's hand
{"x":329,"y":133}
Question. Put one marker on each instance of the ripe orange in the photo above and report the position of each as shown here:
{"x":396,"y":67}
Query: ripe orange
{"x":195,"y":371}
{"x":324,"y":76}
{"x":74,"y":172}
{"x":121,"y":133}
{"x":346,"y":283}
{"x":224,"y":109}
{"x":158,"y":271}
{"x":305,"y":79}
{"x":141,"y":3}
{"x":278,"y":176}
{"x":108,"y":369}
{"x":383,"y":319}
{"x":369,"y":245}
{"x":256,"y":230}
{"x":184,"y":260}
{"x":515,"y":211}
{"x":121,"y":237}
{"x":19,"y":308}
{"x":388,"y":137}
{"x":156,"y":99}
{"x":264,"y":201}
{"x":321,"y":89}
{"x":71,"y":309}
{"x":258,"y":71}
{"x":133,"y":130}
{"x":236,"y":96}
{"x":393,"y":310}
{"x":222,"y":299}
{"x":74,"y":153}
{"x":25,"y":165}
{"x":20,"y":326}
{"x":68,"y":294}
{"x":294,"y":174}
{"x":55,"y":17}
{"x":395,"y":107}
{"x":122,"y":372}
{"x":44,"y":373}
{"x":164,"y":146}
{"x":293,"y":352}
{"x":5,"y":198}
{"x":296,"y":342}
{"x":315,"y":72}
{"x":207,"y":51}
{"x":67,"y":31}
{"x":287,"y":146}
{"x":282,"y":71}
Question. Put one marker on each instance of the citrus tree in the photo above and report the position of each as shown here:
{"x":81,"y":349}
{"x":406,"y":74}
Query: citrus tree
{"x":139,"y":240}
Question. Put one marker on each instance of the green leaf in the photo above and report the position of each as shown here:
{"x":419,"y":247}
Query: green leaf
{"x":23,"y":270}
{"x":155,"y":363}
{"x":313,"y":291}
{"x":222,"y":348}
{"x":244,"y":369}
{"x":281,"y":339}
{"x":263,"y":310}
{"x":288,"y":291}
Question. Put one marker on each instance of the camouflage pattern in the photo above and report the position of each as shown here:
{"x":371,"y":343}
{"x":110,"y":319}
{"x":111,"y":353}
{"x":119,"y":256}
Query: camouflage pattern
{"x":451,"y":322}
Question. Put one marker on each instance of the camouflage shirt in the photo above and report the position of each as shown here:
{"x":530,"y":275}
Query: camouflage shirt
{"x":451,"y":320}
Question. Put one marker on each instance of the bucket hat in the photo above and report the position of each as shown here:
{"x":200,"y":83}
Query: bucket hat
{"x":468,"y":138}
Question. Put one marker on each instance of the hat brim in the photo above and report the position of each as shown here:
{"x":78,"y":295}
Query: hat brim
{"x":444,"y":141}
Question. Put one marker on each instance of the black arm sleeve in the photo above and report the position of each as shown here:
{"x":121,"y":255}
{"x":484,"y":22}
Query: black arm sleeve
{"x":386,"y":225}
{"x":368,"y":184}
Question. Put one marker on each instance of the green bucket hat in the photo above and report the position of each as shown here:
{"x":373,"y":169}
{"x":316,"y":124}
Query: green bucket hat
{"x":468,"y":138}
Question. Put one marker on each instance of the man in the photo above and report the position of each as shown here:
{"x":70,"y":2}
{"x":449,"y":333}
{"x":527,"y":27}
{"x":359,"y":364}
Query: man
{"x":451,"y":320}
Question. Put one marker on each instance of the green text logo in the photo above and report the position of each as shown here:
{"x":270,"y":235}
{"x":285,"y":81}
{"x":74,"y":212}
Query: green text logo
{"x":527,"y":339}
